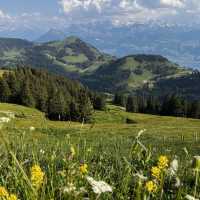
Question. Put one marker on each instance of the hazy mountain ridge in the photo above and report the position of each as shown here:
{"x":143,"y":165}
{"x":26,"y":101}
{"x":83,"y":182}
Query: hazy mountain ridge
{"x":178,"y":42}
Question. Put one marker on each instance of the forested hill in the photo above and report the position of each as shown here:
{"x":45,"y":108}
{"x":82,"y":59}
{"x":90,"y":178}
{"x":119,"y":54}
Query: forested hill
{"x":70,"y":56}
{"x":59,"y":97}
{"x":133,"y":72}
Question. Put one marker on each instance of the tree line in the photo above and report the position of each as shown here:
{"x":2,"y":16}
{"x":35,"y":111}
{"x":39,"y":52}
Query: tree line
{"x":169,"y":105}
{"x":60,"y":98}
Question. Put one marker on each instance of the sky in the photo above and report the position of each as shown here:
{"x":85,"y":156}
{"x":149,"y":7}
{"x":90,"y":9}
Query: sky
{"x":46,"y":14}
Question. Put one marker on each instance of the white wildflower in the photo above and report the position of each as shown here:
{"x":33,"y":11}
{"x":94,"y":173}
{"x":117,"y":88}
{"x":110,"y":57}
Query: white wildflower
{"x":140,"y":176}
{"x":70,"y":188}
{"x":173,"y":167}
{"x":42,"y":151}
{"x":99,"y":186}
{"x":4,"y":119}
{"x":189,"y":197}
{"x":32,"y":128}
{"x":178,"y":182}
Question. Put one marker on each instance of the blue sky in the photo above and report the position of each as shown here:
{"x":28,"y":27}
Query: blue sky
{"x":16,"y":7}
{"x":46,"y":14}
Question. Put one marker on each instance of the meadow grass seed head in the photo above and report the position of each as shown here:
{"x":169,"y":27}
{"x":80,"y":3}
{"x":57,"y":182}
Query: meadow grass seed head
{"x":72,"y":151}
{"x":196,"y":162}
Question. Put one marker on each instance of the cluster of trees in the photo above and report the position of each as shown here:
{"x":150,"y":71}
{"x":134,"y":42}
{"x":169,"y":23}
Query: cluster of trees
{"x":60,"y":98}
{"x":170,"y":105}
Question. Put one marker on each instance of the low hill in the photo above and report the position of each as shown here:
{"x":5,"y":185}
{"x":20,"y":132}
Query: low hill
{"x":133,"y":72}
{"x":70,"y":56}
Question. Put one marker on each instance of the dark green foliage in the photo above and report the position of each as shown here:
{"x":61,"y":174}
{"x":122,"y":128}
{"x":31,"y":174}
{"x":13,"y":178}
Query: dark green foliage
{"x":5,"y":92}
{"x":119,"y":100}
{"x":60,"y":98}
{"x":99,"y":102}
{"x":26,"y":97}
{"x":170,"y":105}
{"x":132,"y":104}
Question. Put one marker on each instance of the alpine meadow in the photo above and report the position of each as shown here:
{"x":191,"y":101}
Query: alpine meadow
{"x":99,"y":100}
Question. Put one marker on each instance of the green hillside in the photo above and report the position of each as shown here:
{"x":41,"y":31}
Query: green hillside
{"x":111,"y":122}
{"x":66,"y":154}
{"x":132,"y":73}
{"x":69,"y":57}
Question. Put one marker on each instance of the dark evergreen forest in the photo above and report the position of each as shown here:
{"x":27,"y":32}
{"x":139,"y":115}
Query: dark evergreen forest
{"x":168,"y":105}
{"x":60,"y":98}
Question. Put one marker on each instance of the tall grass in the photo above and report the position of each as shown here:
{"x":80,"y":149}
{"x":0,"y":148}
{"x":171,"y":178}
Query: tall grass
{"x":125,"y":163}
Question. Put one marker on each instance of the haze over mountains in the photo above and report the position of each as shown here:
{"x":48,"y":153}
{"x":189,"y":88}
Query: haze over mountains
{"x":179,"y":43}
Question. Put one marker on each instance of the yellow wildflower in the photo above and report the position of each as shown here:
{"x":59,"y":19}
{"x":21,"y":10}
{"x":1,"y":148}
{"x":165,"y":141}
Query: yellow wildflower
{"x":12,"y":197}
{"x":84,"y":168}
{"x":3,"y":193}
{"x":151,"y":186}
{"x":155,"y":172}
{"x":163,"y":162}
{"x":37,"y":176}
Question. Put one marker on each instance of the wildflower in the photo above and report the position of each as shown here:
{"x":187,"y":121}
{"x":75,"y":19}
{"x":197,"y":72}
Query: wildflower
{"x":99,"y":186}
{"x":42,"y":151}
{"x":155,"y":172}
{"x":140,"y":176}
{"x":3,"y":193}
{"x":32,"y":128}
{"x":84,"y":168}
{"x":151,"y":187}
{"x":37,"y":176}
{"x":173,"y":167}
{"x":69,"y":189}
{"x":163,"y":162}
{"x":12,"y":197}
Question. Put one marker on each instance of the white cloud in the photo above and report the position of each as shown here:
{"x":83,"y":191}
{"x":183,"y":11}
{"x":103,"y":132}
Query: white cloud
{"x":3,"y":15}
{"x":71,"y":5}
{"x":173,"y":3}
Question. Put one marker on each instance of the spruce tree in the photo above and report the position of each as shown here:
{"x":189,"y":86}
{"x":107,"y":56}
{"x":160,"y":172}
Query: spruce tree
{"x":26,"y":96}
{"x":5,"y":92}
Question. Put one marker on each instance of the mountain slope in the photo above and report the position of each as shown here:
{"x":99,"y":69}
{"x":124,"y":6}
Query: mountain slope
{"x":132,"y":73}
{"x":70,"y":56}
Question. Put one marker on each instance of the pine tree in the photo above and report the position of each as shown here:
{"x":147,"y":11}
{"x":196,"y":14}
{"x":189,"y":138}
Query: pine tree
{"x":5,"y":92}
{"x":132,"y":105}
{"x":99,"y":102}
{"x":26,"y":96}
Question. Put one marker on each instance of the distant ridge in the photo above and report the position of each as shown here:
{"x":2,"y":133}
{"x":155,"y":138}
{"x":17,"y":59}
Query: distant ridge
{"x":51,"y":35}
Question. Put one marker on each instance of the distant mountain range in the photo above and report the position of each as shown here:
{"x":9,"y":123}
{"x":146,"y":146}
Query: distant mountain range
{"x":179,"y":43}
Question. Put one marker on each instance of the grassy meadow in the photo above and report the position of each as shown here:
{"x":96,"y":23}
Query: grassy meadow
{"x":42,"y":159}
